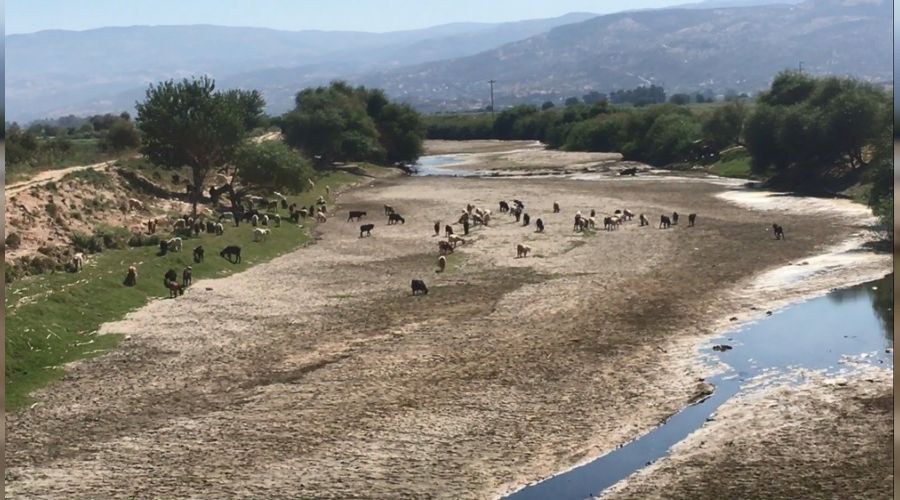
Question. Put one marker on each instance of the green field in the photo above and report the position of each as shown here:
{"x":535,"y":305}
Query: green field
{"x":52,"y":319}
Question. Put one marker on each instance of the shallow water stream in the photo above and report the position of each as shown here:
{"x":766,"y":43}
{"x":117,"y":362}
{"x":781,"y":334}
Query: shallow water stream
{"x":829,"y":333}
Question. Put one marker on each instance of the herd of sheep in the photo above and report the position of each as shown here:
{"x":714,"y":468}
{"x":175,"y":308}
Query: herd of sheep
{"x":262,"y":222}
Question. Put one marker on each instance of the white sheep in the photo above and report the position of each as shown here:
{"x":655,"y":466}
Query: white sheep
{"x":311,"y":183}
{"x":220,"y":229}
{"x":320,"y":217}
{"x":78,"y":261}
{"x":135,"y":204}
{"x":264,"y":220}
{"x":276,"y":219}
{"x":260,"y":234}
{"x":442,"y":263}
{"x":180,"y":224}
{"x":254,"y":220}
{"x":174,"y":244}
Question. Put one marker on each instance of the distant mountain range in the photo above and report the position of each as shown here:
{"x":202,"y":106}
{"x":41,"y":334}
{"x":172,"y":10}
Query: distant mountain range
{"x":53,"y":73}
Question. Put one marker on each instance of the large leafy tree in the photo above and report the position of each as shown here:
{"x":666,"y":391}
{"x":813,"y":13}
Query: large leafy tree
{"x":269,"y":166}
{"x":725,"y":125}
{"x":189,"y":123}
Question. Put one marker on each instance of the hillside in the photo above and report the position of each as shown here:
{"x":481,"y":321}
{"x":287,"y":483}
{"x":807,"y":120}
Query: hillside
{"x":682,"y":49}
{"x":58,"y":72}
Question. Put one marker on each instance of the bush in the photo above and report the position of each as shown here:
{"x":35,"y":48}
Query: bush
{"x":52,"y":210}
{"x":140,"y":239}
{"x":113,"y":238}
{"x":9,"y":273}
{"x":87,"y":242}
{"x":13,"y":240}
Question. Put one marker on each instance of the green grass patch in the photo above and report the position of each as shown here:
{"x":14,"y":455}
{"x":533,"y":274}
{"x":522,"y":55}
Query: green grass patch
{"x":735,"y":163}
{"x":52,"y":319}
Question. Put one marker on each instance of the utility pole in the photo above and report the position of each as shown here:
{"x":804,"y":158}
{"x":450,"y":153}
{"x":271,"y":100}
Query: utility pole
{"x":492,"y":95}
{"x":800,"y":67}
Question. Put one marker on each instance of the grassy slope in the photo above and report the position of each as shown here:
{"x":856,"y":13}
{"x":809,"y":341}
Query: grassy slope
{"x":58,"y":315}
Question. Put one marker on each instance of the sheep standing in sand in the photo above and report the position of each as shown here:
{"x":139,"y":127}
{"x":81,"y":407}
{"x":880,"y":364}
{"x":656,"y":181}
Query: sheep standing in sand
{"x":692,"y":218}
{"x":540,"y":225}
{"x":418,"y":286}
{"x":644,"y":220}
{"x":456,"y":240}
{"x":522,"y":250}
{"x":442,"y":264}
{"x":556,"y":207}
{"x":779,"y":232}
{"x":448,"y":229}
{"x":437,"y":228}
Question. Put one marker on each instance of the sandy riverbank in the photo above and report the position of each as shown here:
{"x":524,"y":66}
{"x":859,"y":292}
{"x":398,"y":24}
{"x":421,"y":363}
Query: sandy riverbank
{"x":318,"y":375}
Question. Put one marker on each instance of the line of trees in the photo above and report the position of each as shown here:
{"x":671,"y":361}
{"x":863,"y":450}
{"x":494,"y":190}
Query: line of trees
{"x":192,"y":124}
{"x":804,"y":132}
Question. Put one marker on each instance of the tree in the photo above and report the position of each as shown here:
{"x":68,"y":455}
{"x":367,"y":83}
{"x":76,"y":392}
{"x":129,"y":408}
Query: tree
{"x":547,"y":105}
{"x":725,"y":124}
{"x":268,"y":166}
{"x":401,"y":131}
{"x":572,"y":101}
{"x":121,"y":136}
{"x":680,"y":99}
{"x":188,"y":123}
{"x":332,"y":124}
{"x":251,"y":104}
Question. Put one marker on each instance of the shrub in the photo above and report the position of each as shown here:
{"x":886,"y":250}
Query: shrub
{"x":139,"y":239}
{"x":13,"y":240}
{"x":52,"y":209}
{"x":9,"y":273}
{"x":87,"y":242}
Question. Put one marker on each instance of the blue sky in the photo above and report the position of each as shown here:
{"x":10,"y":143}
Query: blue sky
{"x":28,"y":16}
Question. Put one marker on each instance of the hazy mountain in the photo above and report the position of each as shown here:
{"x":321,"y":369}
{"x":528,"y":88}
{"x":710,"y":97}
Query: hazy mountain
{"x":60,"y":72}
{"x":682,"y":49}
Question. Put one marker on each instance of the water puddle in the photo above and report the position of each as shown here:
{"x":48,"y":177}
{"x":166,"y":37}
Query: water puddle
{"x":830,"y":333}
{"x":441,"y":165}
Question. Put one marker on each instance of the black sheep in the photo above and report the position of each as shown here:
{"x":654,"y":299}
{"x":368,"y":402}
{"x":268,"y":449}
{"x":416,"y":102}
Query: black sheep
{"x":231,"y":251}
{"x":198,"y":254}
{"x":419,"y":286}
{"x":366,"y":228}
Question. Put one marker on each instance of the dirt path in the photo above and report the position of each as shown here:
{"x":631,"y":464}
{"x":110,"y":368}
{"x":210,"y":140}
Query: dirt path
{"x":318,"y":375}
{"x":52,"y":175}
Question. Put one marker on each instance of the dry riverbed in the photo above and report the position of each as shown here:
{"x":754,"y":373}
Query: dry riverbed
{"x":318,"y":375}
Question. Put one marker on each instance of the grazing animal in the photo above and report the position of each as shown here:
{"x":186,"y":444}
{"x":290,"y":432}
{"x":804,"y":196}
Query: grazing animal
{"x":454,"y":239}
{"x":198,"y":254}
{"x":187,"y":277}
{"x":466,"y":227}
{"x":356,"y":214}
{"x":444,"y":247}
{"x":272,"y":205}
{"x":556,"y":207}
{"x":226,"y":215}
{"x":674,"y":218}
{"x":254,"y":219}
{"x":174,"y":289}
{"x":448,"y":230}
{"x":418,"y":286}
{"x":78,"y":261}
{"x":131,"y":276}
{"x":629,"y":171}
{"x":487,"y":218}
{"x":442,"y":263}
{"x":276,"y":219}
{"x":522,"y":250}
{"x":151,"y":226}
{"x":134,"y":204}
{"x":540,"y":225}
{"x":779,"y":232}
{"x":174,"y":244}
{"x":260,"y":234}
{"x":476,"y":220}
{"x":664,"y":222}
{"x":591,"y":222}
{"x":303,"y":212}
{"x":210,"y":226}
{"x":692,"y":218}
{"x":312,"y":209}
{"x":526,"y":219}
{"x":395,"y":218}
{"x":519,"y":204}
{"x":608,"y":223}
{"x":163,"y":247}
{"x":517,"y":212}
{"x":366,"y":228}
{"x":437,"y":228}
{"x":627,"y":215}
{"x":504,"y":206}
{"x":464,"y":217}
{"x":232,"y":253}
{"x":593,"y":213}
{"x":284,"y":203}
{"x":170,"y":275}
{"x":578,"y":223}
{"x":220,"y":229}
{"x":180,"y":224}
{"x":388,"y":210}
{"x":198,"y":228}
{"x":320,"y":217}
{"x":644,"y":221}
{"x":264,"y":220}
{"x":328,"y":190}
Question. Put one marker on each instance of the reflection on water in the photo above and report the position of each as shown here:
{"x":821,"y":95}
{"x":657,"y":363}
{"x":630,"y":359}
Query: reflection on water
{"x":819,"y":334}
{"x":441,"y":165}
